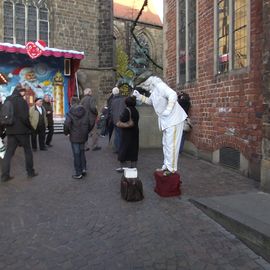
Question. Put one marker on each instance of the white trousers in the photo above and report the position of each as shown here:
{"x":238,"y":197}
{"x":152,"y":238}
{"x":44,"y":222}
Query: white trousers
{"x":171,"y":141}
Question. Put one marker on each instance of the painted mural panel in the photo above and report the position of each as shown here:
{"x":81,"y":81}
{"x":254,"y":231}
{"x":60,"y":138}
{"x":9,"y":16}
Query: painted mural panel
{"x":44,"y":75}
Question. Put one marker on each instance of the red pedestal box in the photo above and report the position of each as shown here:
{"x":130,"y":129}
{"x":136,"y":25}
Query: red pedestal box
{"x":167,"y":186}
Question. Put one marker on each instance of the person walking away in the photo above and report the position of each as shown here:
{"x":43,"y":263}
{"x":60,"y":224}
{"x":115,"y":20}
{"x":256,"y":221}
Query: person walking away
{"x":117,"y":107}
{"x":77,"y":126}
{"x":49,"y":114}
{"x":18,"y":134}
{"x":38,"y":121}
{"x":129,"y":145}
{"x":90,"y":105}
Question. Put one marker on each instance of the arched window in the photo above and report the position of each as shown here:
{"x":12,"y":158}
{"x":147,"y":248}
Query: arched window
{"x":43,"y":24}
{"x":8,"y":21}
{"x":26,"y":21}
{"x":19,"y":23}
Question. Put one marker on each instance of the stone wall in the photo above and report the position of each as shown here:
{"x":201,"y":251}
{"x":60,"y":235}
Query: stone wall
{"x":1,"y":21}
{"x":87,"y":26}
{"x":226,"y":109}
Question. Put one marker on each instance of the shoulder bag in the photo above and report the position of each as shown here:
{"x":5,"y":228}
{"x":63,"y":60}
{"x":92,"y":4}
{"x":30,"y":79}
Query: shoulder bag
{"x":127,"y":124}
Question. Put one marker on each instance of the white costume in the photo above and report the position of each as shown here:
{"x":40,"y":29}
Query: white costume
{"x":171,"y":118}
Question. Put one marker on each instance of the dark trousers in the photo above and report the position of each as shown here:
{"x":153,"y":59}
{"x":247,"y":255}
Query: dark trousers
{"x":49,"y":135}
{"x":40,"y":132}
{"x":79,"y":157}
{"x":13,"y":141}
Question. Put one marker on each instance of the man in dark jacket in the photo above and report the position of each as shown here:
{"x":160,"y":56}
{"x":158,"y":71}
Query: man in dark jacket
{"x":18,"y":134}
{"x":49,"y":113}
{"x":77,"y":126}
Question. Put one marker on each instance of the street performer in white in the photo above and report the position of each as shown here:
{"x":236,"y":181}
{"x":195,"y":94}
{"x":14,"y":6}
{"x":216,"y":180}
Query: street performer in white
{"x":171,"y":118}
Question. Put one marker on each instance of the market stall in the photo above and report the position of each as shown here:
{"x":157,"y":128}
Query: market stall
{"x":52,"y":72}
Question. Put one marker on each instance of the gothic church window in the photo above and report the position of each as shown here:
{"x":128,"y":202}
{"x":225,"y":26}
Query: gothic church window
{"x":232,"y":35}
{"x":25,"y":21}
{"x":187,"y":42}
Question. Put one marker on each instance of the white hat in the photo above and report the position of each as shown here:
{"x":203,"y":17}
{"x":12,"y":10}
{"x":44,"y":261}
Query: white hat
{"x":115,"y":91}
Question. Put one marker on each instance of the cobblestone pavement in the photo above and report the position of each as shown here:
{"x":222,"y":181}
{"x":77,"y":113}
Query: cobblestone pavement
{"x":54,"y":222}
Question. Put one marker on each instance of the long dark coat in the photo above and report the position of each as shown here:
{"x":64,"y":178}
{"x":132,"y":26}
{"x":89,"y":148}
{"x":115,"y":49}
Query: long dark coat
{"x":21,"y":115}
{"x":48,"y":107}
{"x":129,"y":146}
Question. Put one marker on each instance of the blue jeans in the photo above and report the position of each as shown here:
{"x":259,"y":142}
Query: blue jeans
{"x":79,"y":157}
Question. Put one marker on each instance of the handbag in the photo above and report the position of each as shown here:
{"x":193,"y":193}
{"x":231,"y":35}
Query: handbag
{"x":187,"y":125}
{"x":127,"y":124}
{"x":131,"y":189}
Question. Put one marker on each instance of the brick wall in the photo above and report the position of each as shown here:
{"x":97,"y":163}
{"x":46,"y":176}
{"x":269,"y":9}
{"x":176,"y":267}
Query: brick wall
{"x":226,"y":109}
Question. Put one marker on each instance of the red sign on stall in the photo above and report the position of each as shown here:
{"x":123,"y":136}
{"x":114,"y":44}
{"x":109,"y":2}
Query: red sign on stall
{"x":35,"y":49}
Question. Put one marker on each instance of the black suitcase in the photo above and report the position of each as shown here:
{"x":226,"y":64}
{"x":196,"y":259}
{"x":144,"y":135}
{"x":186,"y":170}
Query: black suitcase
{"x":131,"y":189}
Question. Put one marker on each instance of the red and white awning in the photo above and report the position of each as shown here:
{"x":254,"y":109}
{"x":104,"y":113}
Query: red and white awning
{"x":17,"y":48}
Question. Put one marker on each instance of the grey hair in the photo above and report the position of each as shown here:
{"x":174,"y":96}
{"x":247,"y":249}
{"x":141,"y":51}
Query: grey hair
{"x":87,"y":91}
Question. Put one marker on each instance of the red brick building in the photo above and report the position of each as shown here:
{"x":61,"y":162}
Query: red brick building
{"x":218,"y":52}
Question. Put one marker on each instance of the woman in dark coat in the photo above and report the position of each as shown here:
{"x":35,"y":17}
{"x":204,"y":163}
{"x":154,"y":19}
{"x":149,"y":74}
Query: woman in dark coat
{"x":129,"y":146}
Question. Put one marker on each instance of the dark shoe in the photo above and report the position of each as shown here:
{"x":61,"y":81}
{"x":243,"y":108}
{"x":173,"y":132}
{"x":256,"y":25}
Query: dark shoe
{"x":84,"y":173}
{"x":43,"y":149}
{"x":96,"y":148}
{"x":34,"y":149}
{"x":31,"y":175}
{"x":6,"y":179}
{"x":49,"y":145}
{"x":120,"y":170}
{"x":87,"y":149}
{"x":75,"y":176}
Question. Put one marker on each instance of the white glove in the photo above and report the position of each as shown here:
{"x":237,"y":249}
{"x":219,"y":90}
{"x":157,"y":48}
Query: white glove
{"x":168,"y":109}
{"x":137,"y":95}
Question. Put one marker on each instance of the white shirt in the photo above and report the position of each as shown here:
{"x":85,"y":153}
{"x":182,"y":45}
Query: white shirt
{"x":39,"y":109}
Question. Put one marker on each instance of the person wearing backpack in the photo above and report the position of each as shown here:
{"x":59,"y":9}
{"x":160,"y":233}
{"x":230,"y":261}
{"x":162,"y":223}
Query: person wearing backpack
{"x":18,"y":134}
